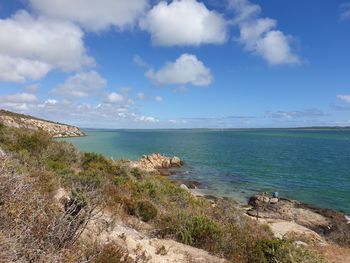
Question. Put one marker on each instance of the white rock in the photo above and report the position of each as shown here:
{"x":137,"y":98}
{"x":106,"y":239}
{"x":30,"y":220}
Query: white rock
{"x":183,"y":186}
{"x":2,"y":153}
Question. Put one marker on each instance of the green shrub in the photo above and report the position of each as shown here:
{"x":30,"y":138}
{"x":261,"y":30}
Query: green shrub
{"x":145,"y":210}
{"x":62,"y":152}
{"x":281,"y":251}
{"x":199,"y":230}
{"x":34,"y":142}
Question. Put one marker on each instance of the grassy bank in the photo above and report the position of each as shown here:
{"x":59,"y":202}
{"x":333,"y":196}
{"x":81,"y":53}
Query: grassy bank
{"x":34,"y":227}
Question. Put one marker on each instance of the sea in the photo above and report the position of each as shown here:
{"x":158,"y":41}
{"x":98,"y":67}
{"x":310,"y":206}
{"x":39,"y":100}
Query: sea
{"x":309,"y":165}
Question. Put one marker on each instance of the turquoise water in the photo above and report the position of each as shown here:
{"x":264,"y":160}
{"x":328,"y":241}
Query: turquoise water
{"x":311,"y":166}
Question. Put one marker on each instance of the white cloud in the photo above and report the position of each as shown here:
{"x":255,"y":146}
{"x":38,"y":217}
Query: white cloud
{"x":345,"y":11}
{"x":345,"y":98}
{"x":91,"y":14}
{"x":138,"y":61}
{"x":19,"y":101}
{"x":81,"y":85}
{"x":187,"y":69}
{"x":158,"y":98}
{"x":141,"y":96}
{"x":14,"y":69}
{"x":148,"y":119}
{"x":18,"y":98}
{"x":115,"y":98}
{"x":103,"y":114}
{"x":184,"y":22}
{"x":259,"y":36}
{"x":30,"y":47}
{"x":48,"y":103}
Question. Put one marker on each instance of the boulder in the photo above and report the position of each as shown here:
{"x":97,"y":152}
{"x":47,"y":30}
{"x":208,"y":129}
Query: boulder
{"x":183,"y":186}
{"x":156,"y":162}
{"x":274,"y":200}
{"x":175,"y":162}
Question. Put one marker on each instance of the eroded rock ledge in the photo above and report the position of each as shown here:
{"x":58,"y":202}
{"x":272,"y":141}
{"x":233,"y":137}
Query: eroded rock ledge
{"x":284,"y":215}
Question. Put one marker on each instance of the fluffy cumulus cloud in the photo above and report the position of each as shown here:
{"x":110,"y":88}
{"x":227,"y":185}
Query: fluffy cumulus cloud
{"x":115,"y":97}
{"x":345,"y":98}
{"x":81,"y":85}
{"x":259,"y":35}
{"x":30,"y":47}
{"x":187,"y":69}
{"x":184,"y":22}
{"x":17,"y":69}
{"x":91,"y":14}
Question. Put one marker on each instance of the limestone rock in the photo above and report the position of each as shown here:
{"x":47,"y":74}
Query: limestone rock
{"x":175,"y":162}
{"x":25,"y":122}
{"x":183,"y":186}
{"x":155,"y":162}
{"x":274,"y":200}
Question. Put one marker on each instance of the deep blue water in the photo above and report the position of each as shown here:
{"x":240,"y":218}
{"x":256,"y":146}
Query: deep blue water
{"x":311,"y":166}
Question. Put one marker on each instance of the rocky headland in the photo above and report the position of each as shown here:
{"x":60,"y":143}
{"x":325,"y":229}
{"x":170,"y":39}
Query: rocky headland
{"x":25,"y":122}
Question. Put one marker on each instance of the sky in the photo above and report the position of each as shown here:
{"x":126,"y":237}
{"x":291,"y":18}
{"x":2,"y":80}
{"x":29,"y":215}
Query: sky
{"x":177,"y":64}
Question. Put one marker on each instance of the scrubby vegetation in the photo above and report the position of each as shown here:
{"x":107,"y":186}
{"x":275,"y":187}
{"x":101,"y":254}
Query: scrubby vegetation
{"x":34,"y":227}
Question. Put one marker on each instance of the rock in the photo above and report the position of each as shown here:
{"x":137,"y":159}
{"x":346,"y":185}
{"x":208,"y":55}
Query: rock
{"x":189,"y":183}
{"x":259,"y":200}
{"x":166,"y":163}
{"x":183,"y":186}
{"x":175,"y":162}
{"x":25,"y":122}
{"x":329,"y":224}
{"x":274,"y":200}
{"x":156,"y":162}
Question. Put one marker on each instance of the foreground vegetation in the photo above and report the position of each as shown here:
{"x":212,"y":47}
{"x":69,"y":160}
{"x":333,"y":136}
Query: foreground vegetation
{"x":34,"y":227}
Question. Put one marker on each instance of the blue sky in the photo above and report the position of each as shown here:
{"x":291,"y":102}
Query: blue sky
{"x":177,"y":64}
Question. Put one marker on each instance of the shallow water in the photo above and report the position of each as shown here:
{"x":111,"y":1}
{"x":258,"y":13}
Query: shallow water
{"x":311,"y":166}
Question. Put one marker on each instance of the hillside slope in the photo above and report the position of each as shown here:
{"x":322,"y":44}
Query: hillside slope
{"x":54,"y":129}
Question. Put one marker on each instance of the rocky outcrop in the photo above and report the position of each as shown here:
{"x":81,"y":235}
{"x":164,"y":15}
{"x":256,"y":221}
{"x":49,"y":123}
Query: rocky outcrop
{"x":156,"y":162}
{"x":328,"y":224}
{"x":54,"y":129}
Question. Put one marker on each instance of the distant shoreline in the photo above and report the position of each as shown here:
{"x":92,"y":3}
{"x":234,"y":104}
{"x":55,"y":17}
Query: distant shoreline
{"x":325,"y":128}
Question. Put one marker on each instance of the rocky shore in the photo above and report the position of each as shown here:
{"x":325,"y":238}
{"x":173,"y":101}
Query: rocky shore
{"x":290,"y":219}
{"x":293,"y":217}
{"x":25,"y":122}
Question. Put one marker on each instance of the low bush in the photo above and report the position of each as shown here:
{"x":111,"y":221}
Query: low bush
{"x":281,"y":251}
{"x":111,"y":253}
{"x":198,"y":230}
{"x":145,"y":210}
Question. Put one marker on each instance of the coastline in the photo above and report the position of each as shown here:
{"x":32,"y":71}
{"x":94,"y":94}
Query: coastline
{"x":287,"y":218}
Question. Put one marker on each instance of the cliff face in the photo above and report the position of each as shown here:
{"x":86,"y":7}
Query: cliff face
{"x":56,"y":130}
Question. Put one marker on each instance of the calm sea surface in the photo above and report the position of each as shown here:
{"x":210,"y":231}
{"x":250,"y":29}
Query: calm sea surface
{"x":311,"y":166}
